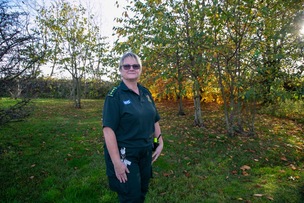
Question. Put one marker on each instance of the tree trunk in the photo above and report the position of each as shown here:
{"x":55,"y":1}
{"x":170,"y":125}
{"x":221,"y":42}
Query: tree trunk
{"x":226,"y":111}
{"x":198,"y":121}
{"x":180,"y":90}
{"x":180,"y":107}
{"x":77,"y":92}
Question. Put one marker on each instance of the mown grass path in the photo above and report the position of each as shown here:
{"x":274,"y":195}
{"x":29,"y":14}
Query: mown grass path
{"x":56,"y":155}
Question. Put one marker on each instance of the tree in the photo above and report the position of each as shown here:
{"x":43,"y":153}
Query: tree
{"x":17,"y":52}
{"x":74,"y":42}
{"x":279,"y":45}
{"x":18,"y":58}
{"x":169,"y":34}
{"x":246,"y":46}
{"x":233,"y":27}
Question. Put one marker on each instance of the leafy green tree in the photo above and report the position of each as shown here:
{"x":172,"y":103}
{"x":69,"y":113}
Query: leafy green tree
{"x":279,"y":45}
{"x":74,"y":42}
{"x":233,"y":25}
{"x":253,"y":44}
{"x":170,"y":36}
{"x":247,"y":45}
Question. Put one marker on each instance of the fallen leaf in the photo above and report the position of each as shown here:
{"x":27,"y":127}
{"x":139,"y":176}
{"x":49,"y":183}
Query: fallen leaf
{"x":245,"y":167}
{"x":283,"y":158}
{"x":264,"y":181}
{"x":258,"y":186}
{"x":258,"y":195}
{"x":187,"y":174}
{"x":293,"y":167}
{"x":245,"y":173}
{"x":166,"y":174}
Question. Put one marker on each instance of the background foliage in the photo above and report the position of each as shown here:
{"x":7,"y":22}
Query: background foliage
{"x":215,"y":68}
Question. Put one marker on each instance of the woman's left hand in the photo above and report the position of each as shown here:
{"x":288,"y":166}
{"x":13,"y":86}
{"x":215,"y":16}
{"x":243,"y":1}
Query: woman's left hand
{"x":157,"y":152}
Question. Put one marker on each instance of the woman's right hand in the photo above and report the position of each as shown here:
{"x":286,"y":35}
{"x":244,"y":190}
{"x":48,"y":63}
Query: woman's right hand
{"x":121,"y":171}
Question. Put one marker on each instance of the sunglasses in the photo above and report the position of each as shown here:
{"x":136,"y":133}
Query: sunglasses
{"x":128,"y":66}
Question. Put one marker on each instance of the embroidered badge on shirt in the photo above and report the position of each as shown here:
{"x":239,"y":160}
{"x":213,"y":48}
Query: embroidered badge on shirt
{"x":126,"y":102}
{"x":111,"y":93}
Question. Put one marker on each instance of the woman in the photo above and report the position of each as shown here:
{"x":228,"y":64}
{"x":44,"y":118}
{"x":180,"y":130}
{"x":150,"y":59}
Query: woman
{"x":130,"y":123}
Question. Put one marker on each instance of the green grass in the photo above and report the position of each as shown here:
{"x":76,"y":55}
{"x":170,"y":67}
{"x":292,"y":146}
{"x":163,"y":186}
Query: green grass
{"x":56,"y":155}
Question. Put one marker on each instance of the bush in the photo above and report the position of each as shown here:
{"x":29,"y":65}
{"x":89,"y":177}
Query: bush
{"x":55,"y":88}
{"x":288,"y":109}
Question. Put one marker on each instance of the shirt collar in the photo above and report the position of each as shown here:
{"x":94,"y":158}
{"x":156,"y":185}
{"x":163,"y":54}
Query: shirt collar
{"x":125,"y":88}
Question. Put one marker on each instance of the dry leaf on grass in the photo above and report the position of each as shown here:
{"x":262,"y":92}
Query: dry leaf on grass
{"x":258,"y":195}
{"x":245,"y":167}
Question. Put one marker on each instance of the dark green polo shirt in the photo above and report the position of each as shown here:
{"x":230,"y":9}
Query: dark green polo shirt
{"x":130,"y":116}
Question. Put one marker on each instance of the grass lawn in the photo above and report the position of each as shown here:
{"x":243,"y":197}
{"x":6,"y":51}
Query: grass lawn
{"x":56,"y":155}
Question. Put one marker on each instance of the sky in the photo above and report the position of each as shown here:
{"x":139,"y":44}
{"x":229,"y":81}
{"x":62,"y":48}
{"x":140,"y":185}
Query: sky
{"x":105,"y":11}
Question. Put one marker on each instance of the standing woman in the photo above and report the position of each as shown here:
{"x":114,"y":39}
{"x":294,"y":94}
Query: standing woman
{"x":130,"y":124}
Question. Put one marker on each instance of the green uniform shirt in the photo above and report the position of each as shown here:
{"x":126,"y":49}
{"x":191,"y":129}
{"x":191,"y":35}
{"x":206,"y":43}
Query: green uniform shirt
{"x":130,"y":116}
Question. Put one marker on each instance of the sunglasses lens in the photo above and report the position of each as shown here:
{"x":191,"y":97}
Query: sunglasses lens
{"x":136,"y":66}
{"x":128,"y":66}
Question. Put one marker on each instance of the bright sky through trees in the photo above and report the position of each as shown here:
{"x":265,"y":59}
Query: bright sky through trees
{"x":302,"y":30}
{"x":104,"y":11}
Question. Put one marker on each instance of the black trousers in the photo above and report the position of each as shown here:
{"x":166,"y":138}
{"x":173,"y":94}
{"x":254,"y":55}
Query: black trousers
{"x":136,"y":188}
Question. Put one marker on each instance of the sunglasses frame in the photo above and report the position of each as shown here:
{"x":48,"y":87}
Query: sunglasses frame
{"x":128,"y":66}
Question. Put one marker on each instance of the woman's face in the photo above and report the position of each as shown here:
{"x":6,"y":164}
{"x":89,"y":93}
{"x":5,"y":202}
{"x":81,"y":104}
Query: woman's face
{"x":130,"y":69}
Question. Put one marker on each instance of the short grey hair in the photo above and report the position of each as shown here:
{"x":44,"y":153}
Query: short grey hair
{"x":132,"y":55}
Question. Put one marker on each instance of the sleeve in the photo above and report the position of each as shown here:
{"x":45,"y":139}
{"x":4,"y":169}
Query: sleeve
{"x":110,"y":114}
{"x":157,"y":117}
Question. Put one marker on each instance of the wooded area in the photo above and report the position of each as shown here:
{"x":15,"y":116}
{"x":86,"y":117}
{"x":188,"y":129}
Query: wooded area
{"x":227,"y":78}
{"x":239,"y":54}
